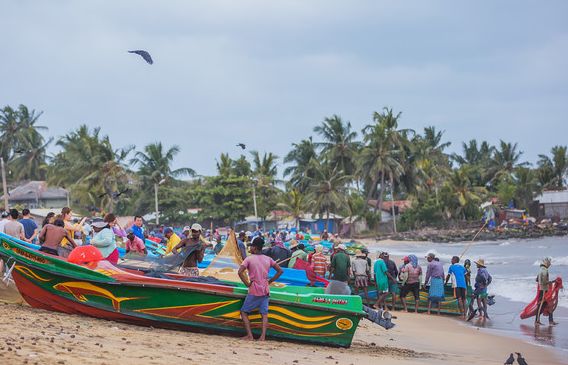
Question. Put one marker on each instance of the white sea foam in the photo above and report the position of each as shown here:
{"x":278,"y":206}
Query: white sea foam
{"x":506,"y":243}
{"x":556,"y":261}
{"x":520,"y":289}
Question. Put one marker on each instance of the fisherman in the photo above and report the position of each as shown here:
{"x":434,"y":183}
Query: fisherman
{"x":241,"y":244}
{"x":138,"y":227}
{"x":51,"y":236}
{"x":340,"y":268}
{"x":393,"y":275}
{"x":319,"y":261}
{"x":279,"y":253}
{"x":324,"y":236}
{"x":411,"y":276}
{"x":467,"y":267}
{"x":257,"y":265}
{"x":105,"y":240}
{"x":13,"y":227}
{"x":482,"y":281}
{"x":297,"y":253}
{"x":543,"y":286}
{"x":382,"y":281}
{"x":30,"y":226}
{"x":172,"y":240}
{"x":134,"y":244}
{"x":195,"y":244}
{"x":434,"y":275}
{"x":457,"y":272}
{"x":361,"y":272}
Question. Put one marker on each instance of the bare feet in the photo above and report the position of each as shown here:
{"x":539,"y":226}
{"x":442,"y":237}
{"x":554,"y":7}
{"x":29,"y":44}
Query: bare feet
{"x":552,"y":323}
{"x":248,"y":338}
{"x":261,"y":338}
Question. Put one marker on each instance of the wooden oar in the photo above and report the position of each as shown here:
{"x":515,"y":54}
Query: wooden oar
{"x":474,"y":237}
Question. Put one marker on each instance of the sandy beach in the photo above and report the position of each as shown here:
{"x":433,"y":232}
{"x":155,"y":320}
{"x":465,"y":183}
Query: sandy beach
{"x":31,"y":336}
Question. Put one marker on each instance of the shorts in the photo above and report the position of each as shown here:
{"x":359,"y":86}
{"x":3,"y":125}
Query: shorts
{"x":190,"y":272}
{"x":460,"y":293}
{"x":361,"y":281}
{"x":48,"y":250}
{"x":253,"y":302}
{"x":393,"y":288}
{"x":413,"y":288}
{"x":481,"y":293}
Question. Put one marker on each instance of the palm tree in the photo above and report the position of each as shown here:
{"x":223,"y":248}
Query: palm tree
{"x":225,"y":165}
{"x":382,"y":153}
{"x":30,"y":163}
{"x":301,"y":157}
{"x":339,"y":146}
{"x":328,"y":190}
{"x":505,"y":159}
{"x":557,"y":167}
{"x":264,"y":172}
{"x":241,"y":167}
{"x":462,"y":196}
{"x":154,"y":166}
{"x":294,"y":202}
{"x":527,"y":186}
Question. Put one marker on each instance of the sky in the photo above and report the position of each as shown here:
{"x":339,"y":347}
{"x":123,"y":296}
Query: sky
{"x":264,"y":73}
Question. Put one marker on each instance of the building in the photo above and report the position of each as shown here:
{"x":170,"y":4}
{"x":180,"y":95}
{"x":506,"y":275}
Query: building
{"x":37,"y":194}
{"x":552,"y":204}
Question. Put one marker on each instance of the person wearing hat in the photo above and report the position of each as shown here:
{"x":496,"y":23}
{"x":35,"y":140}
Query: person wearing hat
{"x":543,"y":286}
{"x":340,"y":267}
{"x":298,"y":252}
{"x":195,"y":250}
{"x":434,"y":276}
{"x":105,"y":240}
{"x":482,"y":281}
{"x":134,"y":244}
{"x":172,"y":240}
{"x":361,"y":272}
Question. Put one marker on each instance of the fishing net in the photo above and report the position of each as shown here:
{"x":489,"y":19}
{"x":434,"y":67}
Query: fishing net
{"x":225,"y":265}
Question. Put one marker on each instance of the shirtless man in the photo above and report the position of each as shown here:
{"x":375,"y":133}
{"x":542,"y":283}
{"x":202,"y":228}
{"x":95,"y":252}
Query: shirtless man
{"x":194,"y":242}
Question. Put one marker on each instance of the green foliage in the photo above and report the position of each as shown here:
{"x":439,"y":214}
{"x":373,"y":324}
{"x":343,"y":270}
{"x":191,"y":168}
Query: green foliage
{"x":228,"y":199}
{"x":425,"y":212}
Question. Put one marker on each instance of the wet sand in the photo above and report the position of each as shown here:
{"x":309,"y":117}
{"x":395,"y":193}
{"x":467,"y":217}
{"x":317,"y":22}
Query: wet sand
{"x":32,"y":336}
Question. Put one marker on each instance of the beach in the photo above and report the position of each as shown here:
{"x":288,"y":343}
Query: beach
{"x":33,"y":336}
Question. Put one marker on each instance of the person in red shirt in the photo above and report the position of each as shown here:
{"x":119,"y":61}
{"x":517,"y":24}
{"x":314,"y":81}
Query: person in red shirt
{"x":134,"y":244}
{"x":257,"y":265}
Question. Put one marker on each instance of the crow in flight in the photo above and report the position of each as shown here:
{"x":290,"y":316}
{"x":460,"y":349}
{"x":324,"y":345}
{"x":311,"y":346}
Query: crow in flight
{"x":115,"y":194}
{"x":242,"y":145}
{"x":510,"y":360}
{"x":145,"y":55}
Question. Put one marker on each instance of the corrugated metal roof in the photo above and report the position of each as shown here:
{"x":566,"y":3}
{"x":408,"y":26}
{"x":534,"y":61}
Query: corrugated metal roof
{"x":36,"y":190}
{"x":549,"y":197}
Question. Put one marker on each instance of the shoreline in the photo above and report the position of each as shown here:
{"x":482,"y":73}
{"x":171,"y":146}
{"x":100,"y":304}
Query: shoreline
{"x":29,"y":336}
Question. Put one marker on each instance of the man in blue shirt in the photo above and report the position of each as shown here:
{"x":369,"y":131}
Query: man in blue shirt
{"x":137,"y":227}
{"x":460,"y":289}
{"x":241,"y":243}
{"x":30,"y":226}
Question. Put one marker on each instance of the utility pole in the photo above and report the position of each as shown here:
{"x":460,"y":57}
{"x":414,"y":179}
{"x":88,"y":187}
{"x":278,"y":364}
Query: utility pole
{"x":4,"y":183}
{"x":156,"y":204}
{"x":254,"y":203}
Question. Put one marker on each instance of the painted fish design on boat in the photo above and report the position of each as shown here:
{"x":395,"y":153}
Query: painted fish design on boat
{"x":80,"y":289}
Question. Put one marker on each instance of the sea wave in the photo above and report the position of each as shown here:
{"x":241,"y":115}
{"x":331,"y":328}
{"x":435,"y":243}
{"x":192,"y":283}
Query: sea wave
{"x":520,"y":289}
{"x":556,"y":261}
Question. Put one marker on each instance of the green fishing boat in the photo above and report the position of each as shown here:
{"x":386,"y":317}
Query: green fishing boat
{"x":102,"y":290}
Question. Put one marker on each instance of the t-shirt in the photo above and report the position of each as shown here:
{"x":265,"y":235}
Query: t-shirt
{"x":458,"y":271}
{"x":242,"y":249}
{"x":138,"y":231}
{"x":2,"y":224}
{"x":340,"y":264}
{"x":172,"y":243}
{"x":298,"y":254}
{"x":136,"y":245}
{"x":381,"y":277}
{"x":319,"y":263}
{"x":14,"y":229}
{"x":393,"y":270}
{"x":29,"y":227}
{"x":258,"y":267}
{"x":413,"y":273}
{"x":543,"y":278}
{"x":360,"y":266}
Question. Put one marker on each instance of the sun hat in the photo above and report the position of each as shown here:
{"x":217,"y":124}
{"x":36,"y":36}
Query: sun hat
{"x":431,"y":254}
{"x":480,"y":262}
{"x":99,"y":224}
{"x":359,"y":253}
{"x":341,"y":246}
{"x":196,"y":227}
{"x":293,"y":244}
{"x":186,"y":229}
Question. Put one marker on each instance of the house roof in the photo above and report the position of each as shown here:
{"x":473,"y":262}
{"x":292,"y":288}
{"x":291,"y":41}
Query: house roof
{"x":549,"y":197}
{"x":387,"y":205}
{"x":36,"y":190}
{"x":314,"y":217}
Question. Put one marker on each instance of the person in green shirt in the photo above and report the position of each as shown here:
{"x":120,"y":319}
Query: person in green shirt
{"x":382,"y":280}
{"x":297,"y":253}
{"x":340,"y":268}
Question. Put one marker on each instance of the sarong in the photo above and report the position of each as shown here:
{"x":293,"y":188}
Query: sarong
{"x":436,"y":291}
{"x":191,"y":272}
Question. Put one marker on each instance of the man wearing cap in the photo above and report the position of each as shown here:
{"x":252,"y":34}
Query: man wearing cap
{"x":297,"y":253}
{"x":340,"y":268}
{"x":195,"y":249}
{"x":134,"y":244}
{"x":172,"y":240}
{"x":543,"y":286}
{"x":482,"y":281}
{"x":434,"y":275}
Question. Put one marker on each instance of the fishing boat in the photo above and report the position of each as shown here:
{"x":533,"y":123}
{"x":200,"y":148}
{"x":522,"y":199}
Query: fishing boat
{"x":99,"y":289}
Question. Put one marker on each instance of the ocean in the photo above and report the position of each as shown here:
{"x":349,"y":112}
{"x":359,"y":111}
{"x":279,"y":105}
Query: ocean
{"x":514,"y":266}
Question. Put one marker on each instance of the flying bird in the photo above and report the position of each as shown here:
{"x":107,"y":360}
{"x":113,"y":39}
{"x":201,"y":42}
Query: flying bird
{"x":242,"y":145}
{"x":145,"y":55}
{"x":510,"y":360}
{"x":521,"y":359}
{"x":115,"y":194}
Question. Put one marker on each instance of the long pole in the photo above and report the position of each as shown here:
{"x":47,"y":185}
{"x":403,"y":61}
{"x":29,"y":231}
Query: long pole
{"x":4,"y":183}
{"x":474,"y":237}
{"x":254,"y":203}
{"x":156,"y":204}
